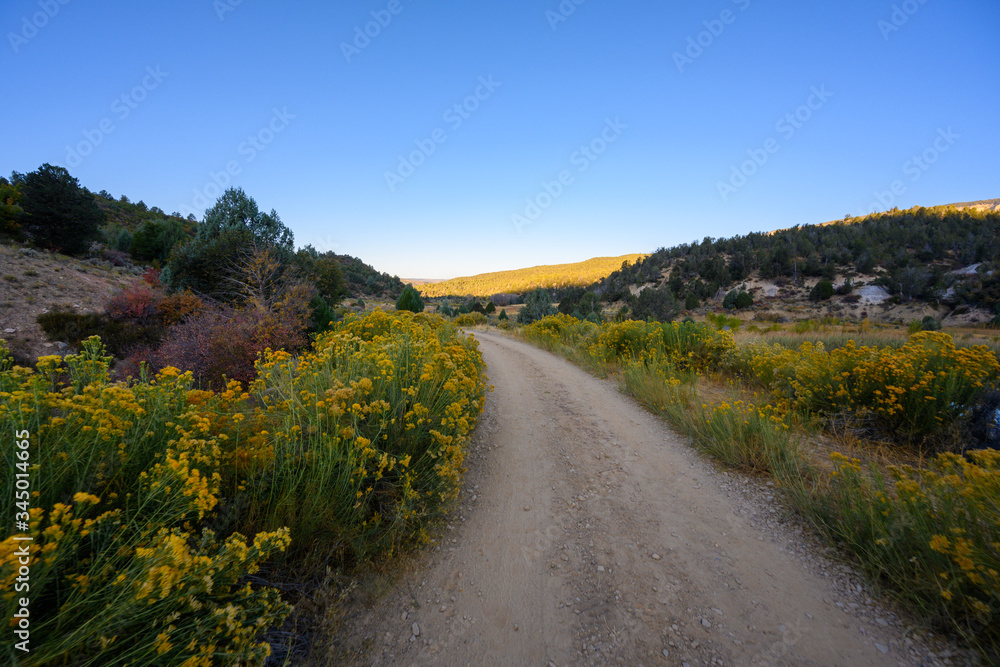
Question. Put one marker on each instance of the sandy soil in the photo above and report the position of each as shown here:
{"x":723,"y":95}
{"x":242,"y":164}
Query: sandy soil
{"x":34,"y":284}
{"x":589,"y":533}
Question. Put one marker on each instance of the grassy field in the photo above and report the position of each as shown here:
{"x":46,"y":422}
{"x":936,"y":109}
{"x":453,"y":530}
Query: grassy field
{"x":922,"y":526}
{"x":523,"y":280}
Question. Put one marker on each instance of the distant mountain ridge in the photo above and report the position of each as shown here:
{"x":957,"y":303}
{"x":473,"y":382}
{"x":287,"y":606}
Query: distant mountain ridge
{"x":550,"y":276}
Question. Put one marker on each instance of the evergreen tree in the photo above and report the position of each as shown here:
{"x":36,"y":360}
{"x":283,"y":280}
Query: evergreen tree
{"x":537,"y":304}
{"x":58,"y":213}
{"x":323,"y":269}
{"x":155,"y":239}
{"x":822,"y":291}
{"x":410,"y":300}
{"x":656,"y":303}
{"x":235,"y":210}
{"x":207,"y":266}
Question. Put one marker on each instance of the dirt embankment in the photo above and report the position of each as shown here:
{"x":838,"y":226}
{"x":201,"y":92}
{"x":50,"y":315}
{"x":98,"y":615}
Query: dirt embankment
{"x":33,"y":282}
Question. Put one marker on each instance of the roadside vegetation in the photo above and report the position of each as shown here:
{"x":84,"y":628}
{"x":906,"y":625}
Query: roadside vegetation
{"x":866,"y":441}
{"x":232,"y":434}
{"x":166,"y":519}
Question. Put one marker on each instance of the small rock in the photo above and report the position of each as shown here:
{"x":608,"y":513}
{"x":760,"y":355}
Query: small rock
{"x":10,"y":331}
{"x":443,"y":608}
{"x":405,"y":614}
{"x":705,"y":622}
{"x":881,"y":621}
{"x":416,"y":630}
{"x":600,"y":568}
{"x":655,"y":556}
{"x":882,"y":647}
{"x":527,"y":507}
{"x":666,"y":653}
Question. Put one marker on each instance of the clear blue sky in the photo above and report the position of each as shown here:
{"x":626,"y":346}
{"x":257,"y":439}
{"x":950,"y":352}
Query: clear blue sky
{"x":201,"y":78}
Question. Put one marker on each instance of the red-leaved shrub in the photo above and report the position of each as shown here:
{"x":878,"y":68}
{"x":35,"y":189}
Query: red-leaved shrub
{"x":152,"y":277}
{"x":139,"y":303}
{"x":222,"y":343}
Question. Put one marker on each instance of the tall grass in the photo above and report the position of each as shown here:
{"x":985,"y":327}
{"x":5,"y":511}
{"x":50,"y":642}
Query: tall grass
{"x":931,"y":535}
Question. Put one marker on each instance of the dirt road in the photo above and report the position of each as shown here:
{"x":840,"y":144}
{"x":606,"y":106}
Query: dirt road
{"x":589,"y":533}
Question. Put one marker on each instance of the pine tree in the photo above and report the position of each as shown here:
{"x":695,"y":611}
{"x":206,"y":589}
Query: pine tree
{"x":58,"y":213}
{"x":410,"y":300}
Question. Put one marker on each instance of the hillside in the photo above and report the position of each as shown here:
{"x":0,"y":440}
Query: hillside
{"x":946,"y":258}
{"x":522,"y":280}
{"x":363,"y":280}
{"x":33,"y":283}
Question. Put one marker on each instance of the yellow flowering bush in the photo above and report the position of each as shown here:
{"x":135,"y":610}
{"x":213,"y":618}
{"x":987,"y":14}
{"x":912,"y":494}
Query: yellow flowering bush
{"x":933,"y":532}
{"x":912,"y":391}
{"x":471,"y":319}
{"x":366,"y":434}
{"x":142,"y":491}
{"x":682,"y":345}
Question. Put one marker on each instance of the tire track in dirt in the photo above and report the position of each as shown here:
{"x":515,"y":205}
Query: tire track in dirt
{"x":589,"y":533}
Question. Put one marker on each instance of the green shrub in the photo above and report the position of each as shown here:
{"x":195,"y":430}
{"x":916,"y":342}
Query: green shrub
{"x":656,"y":303}
{"x":930,"y":532}
{"x":822,"y":291}
{"x":722,"y":321}
{"x":122,"y":337}
{"x":155,"y":239}
{"x":471,"y":319}
{"x":208,"y":266}
{"x":537,"y":304}
{"x":323,"y":315}
{"x":410,"y":300}
{"x":729,"y":303}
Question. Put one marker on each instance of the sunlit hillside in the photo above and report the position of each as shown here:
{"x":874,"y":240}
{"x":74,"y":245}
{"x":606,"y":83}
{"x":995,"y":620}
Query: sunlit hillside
{"x":523,"y":280}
